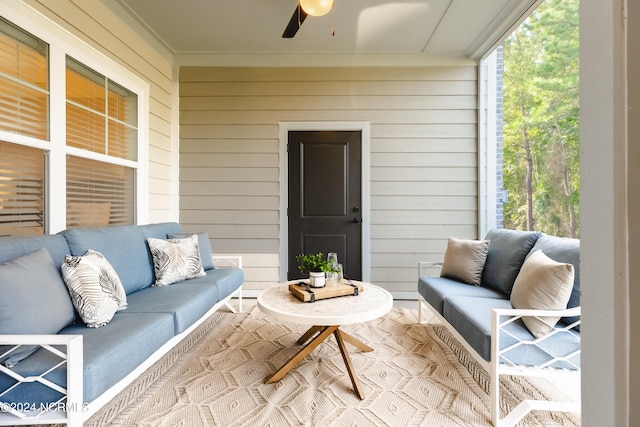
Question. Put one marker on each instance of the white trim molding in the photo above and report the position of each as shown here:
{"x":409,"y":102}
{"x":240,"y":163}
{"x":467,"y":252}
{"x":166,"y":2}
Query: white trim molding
{"x":487,"y":131}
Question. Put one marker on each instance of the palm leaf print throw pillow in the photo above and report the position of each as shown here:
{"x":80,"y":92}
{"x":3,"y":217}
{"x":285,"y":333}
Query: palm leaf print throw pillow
{"x":175,"y":260}
{"x":95,"y":288}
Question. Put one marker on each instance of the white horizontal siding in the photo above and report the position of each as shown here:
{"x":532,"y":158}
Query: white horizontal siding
{"x":339,"y":88}
{"x":331,"y":102}
{"x":423,"y":158}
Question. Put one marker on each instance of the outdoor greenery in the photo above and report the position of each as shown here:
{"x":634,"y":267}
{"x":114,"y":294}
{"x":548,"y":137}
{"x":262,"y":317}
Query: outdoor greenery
{"x":541,"y":122}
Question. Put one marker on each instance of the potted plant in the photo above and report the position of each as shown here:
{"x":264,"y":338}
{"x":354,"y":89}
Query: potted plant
{"x":316,"y":265}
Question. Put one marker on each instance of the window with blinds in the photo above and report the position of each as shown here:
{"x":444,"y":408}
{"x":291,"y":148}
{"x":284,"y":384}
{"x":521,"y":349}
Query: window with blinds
{"x":22,"y":191}
{"x":101,"y":146}
{"x":24,"y":93}
{"x":101,"y":115}
{"x":24,"y":104}
{"x":98,"y":193}
{"x":101,"y":118}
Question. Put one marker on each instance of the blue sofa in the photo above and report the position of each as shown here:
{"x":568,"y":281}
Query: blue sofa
{"x":492,"y":331}
{"x":99,"y":362}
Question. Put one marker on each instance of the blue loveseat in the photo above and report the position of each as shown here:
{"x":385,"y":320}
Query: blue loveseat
{"x":76,"y":370}
{"x":484,"y":321}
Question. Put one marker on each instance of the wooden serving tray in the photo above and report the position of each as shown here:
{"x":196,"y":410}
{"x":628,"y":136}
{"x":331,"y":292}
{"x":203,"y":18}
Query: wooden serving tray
{"x":306,"y":293}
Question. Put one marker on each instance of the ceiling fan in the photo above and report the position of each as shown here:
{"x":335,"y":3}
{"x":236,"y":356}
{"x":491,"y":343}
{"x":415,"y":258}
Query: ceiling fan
{"x":303,"y":9}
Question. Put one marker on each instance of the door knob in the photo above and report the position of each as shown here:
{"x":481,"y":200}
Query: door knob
{"x":357,"y":220}
{"x":356,"y":209}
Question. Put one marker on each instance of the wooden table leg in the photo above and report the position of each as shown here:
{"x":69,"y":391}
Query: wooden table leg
{"x":347,"y":361}
{"x":304,"y":351}
{"x":312,"y":330}
{"x":355,"y":342}
{"x":324,"y":332}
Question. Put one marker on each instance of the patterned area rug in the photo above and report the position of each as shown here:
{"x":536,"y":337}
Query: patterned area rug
{"x":411,"y":378}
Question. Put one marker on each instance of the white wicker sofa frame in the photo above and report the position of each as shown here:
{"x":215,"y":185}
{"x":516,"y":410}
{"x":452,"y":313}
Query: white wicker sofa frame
{"x":506,"y":347}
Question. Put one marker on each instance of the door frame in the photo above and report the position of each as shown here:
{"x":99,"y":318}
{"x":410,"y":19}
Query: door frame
{"x":365,"y":146}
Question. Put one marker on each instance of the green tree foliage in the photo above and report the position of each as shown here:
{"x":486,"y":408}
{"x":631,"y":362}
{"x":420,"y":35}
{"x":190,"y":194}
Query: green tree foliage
{"x":541,"y":121}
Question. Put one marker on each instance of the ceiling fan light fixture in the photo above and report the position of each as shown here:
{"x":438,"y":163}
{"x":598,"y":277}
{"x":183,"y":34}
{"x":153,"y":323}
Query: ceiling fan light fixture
{"x":316,"y":7}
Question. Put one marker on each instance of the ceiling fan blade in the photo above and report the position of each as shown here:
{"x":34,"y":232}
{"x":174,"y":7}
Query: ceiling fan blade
{"x":293,"y":25}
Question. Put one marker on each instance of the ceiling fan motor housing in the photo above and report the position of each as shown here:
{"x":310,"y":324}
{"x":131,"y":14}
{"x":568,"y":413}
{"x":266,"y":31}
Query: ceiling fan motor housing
{"x":316,"y":7}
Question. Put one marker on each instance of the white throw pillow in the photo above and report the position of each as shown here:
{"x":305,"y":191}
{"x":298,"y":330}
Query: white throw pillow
{"x":464,"y":260}
{"x":206,"y":255}
{"x":175,"y":259}
{"x":542,"y":284}
{"x":95,"y":288}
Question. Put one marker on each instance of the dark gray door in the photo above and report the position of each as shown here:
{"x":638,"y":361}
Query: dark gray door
{"x":325,"y":182}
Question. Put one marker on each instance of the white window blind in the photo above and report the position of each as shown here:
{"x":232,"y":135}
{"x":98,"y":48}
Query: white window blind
{"x":101,"y":115}
{"x":99,"y":193}
{"x":101,"y":118}
{"x":24,"y":95}
{"x":22,"y":191}
{"x":24,"y":103}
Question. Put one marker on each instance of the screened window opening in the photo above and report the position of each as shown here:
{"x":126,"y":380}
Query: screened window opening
{"x":101,"y":115}
{"x":24,"y":83}
{"x":99,"y":193}
{"x":22,"y":190}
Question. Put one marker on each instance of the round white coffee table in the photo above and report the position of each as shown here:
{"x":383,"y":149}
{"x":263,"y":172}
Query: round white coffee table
{"x":325,"y":317}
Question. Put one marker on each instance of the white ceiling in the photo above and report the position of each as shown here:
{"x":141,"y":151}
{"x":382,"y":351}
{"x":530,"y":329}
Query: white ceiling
{"x":464,"y":29}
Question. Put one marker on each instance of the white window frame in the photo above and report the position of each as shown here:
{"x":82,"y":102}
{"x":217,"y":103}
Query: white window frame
{"x":487,"y":130}
{"x":62,"y":43}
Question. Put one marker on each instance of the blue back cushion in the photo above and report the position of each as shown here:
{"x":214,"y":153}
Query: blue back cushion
{"x":125,"y":247}
{"x":160,"y":230}
{"x":34,"y":300}
{"x":507,"y":251}
{"x":14,"y":247}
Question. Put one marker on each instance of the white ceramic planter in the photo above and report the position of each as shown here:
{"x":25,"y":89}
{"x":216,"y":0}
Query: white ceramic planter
{"x":317,"y":279}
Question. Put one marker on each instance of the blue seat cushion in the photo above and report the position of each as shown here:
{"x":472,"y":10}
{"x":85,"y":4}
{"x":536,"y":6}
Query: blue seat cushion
{"x":507,"y":251}
{"x":435,"y":290}
{"x":471,"y":317}
{"x":110,"y":353}
{"x":125,"y":247}
{"x":227,"y":279}
{"x":114,"y":350}
{"x":185,"y":301}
